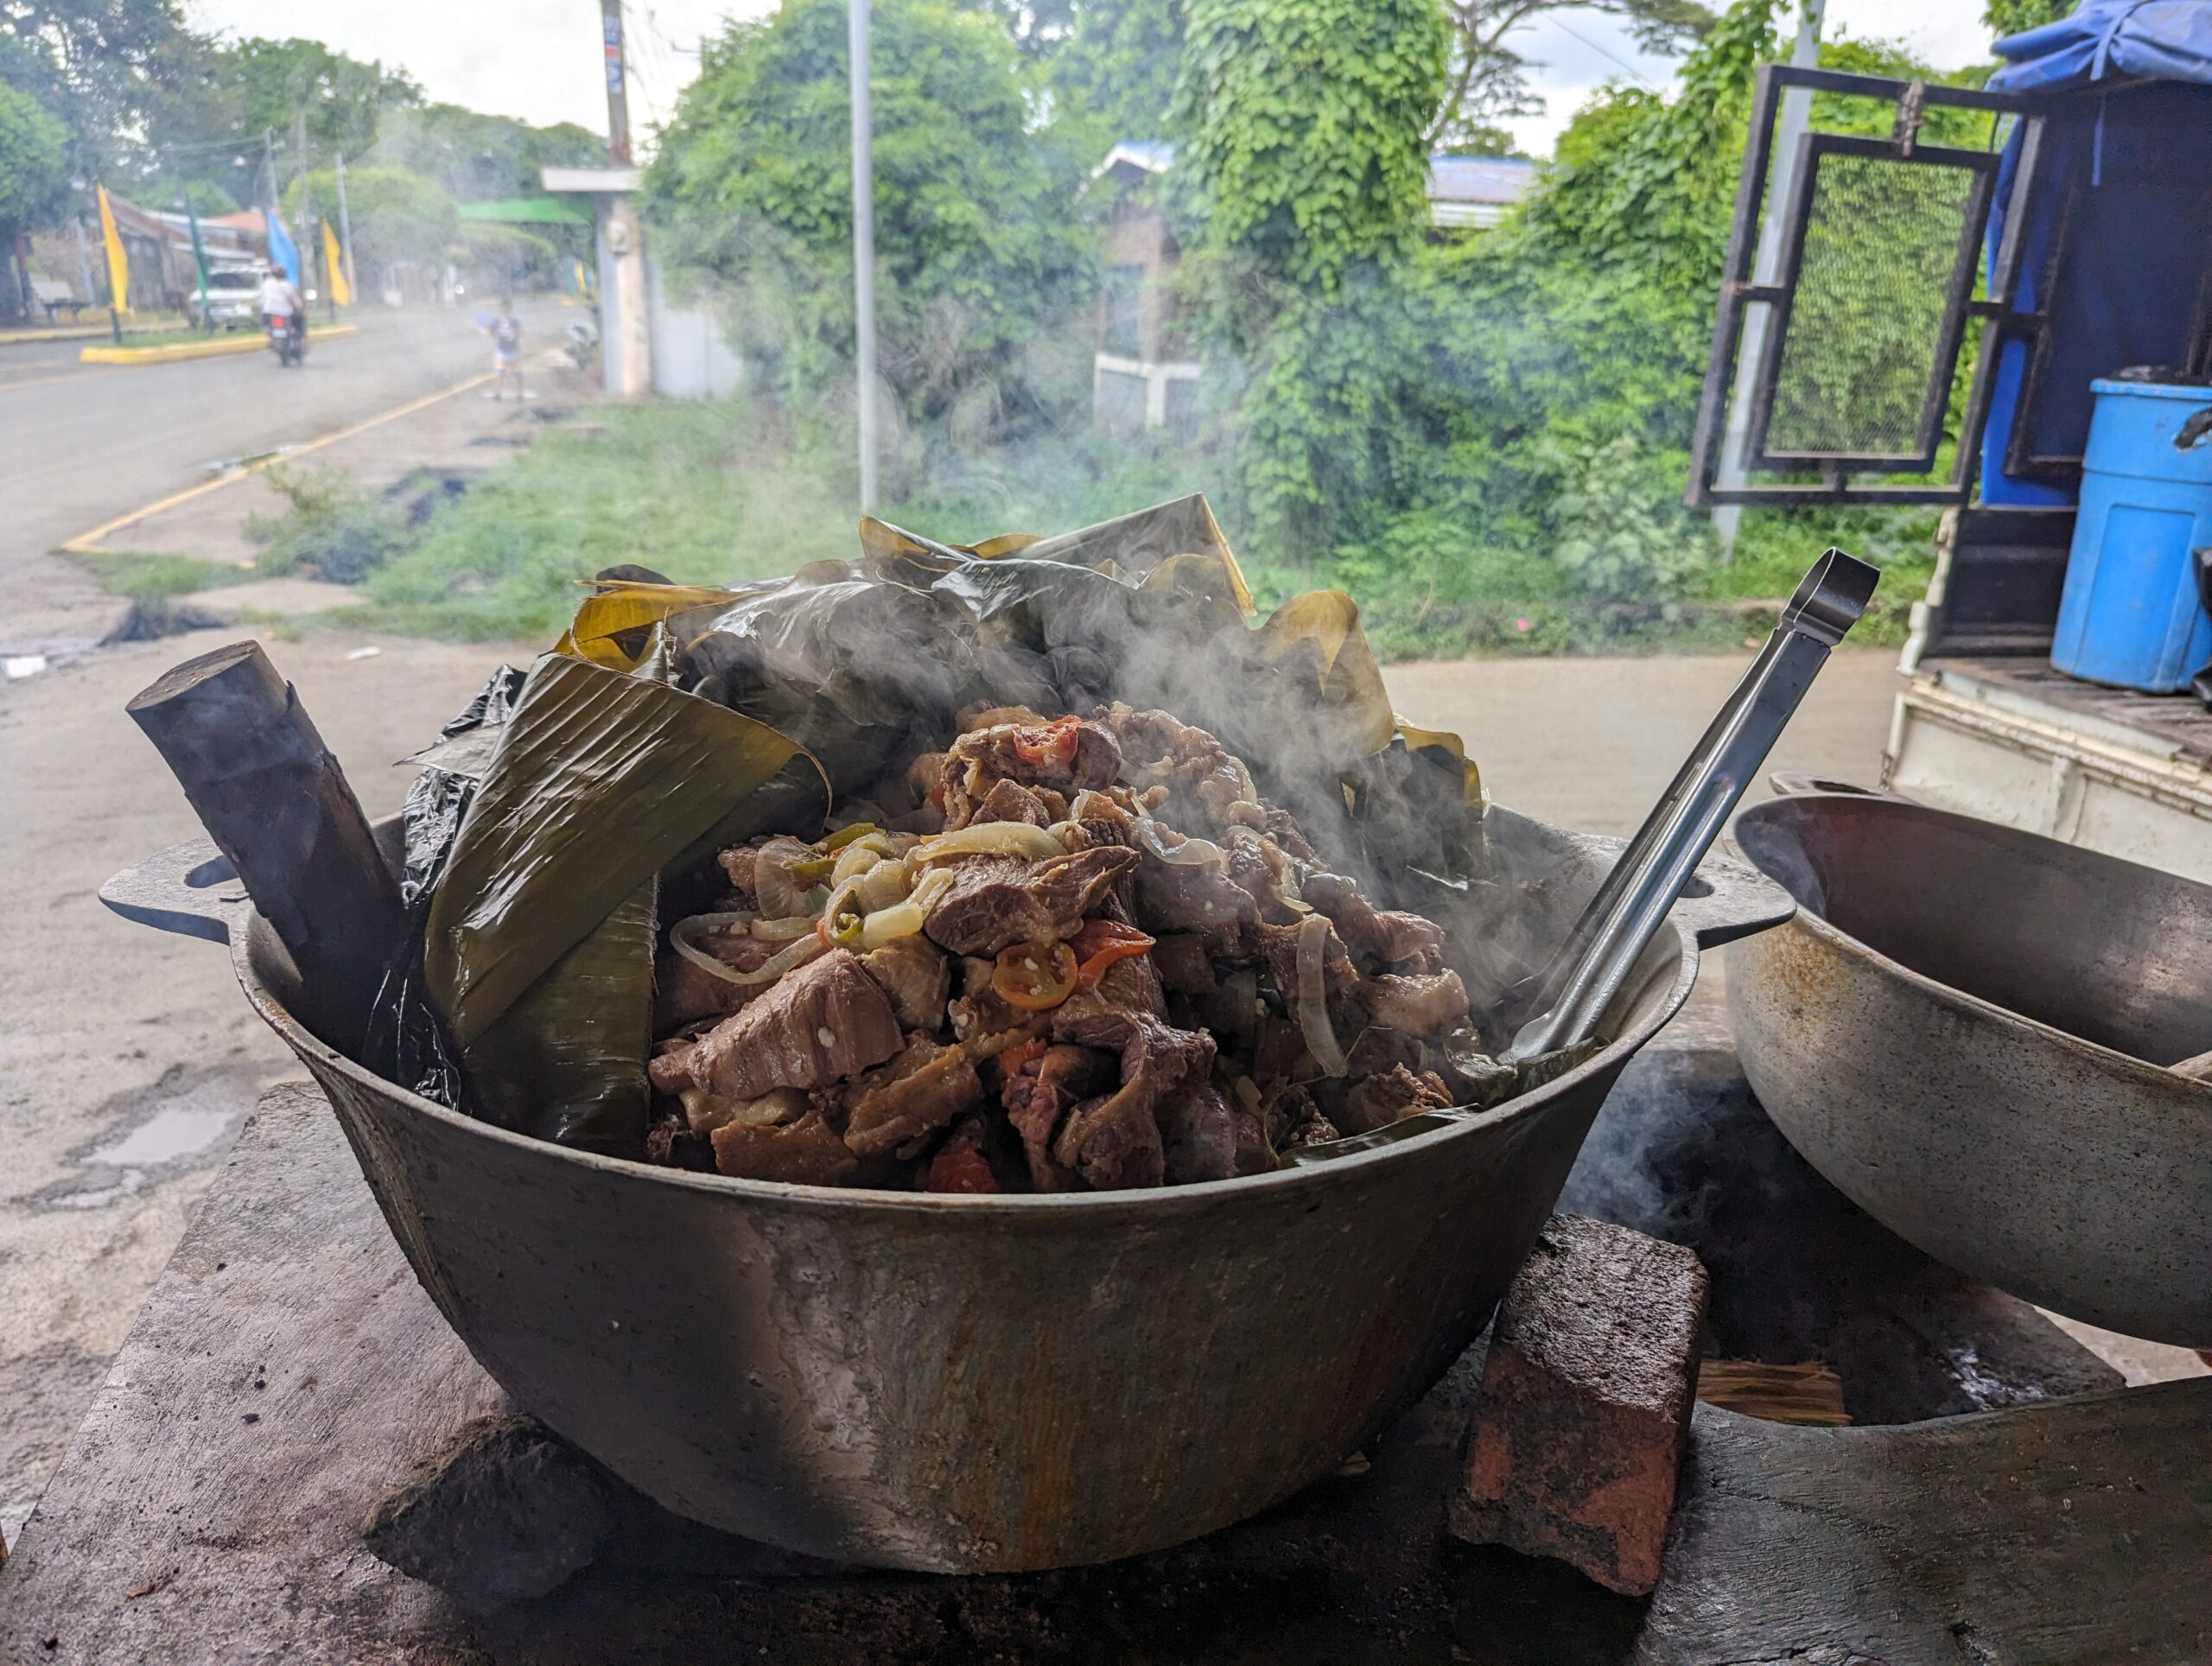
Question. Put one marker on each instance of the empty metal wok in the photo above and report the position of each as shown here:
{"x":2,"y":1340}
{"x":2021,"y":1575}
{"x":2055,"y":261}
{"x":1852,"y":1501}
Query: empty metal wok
{"x":1963,"y":1030}
{"x":970,"y":1383}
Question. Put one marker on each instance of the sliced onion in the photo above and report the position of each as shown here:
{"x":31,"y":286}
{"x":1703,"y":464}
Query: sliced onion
{"x":859,"y":857}
{"x":798,"y":954}
{"x":1191,"y":853}
{"x":1313,"y":997}
{"x":989,"y":839}
{"x":884,"y":886}
{"x":778,"y":931}
{"x":905,"y":918}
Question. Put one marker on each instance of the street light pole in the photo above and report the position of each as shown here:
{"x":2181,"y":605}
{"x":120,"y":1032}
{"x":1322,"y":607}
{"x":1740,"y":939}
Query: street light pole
{"x":632,"y":334}
{"x":863,"y":248}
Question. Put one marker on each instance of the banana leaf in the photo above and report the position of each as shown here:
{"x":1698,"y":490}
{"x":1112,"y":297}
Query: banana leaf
{"x":599,"y":780}
{"x":567,"y":1061}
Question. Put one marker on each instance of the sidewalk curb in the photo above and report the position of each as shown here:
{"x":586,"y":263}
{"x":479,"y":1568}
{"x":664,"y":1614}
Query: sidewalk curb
{"x":83,"y":543}
{"x":217,"y":349}
{"x":24,"y":338}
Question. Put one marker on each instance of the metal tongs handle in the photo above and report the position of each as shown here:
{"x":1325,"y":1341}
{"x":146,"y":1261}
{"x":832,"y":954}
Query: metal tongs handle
{"x":1610,"y":936}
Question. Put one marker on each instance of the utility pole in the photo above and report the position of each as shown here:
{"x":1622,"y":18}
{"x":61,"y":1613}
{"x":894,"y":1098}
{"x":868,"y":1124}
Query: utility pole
{"x":633,"y":331}
{"x":346,"y":233}
{"x":83,"y":258}
{"x":863,"y":246}
{"x":1789,"y":128}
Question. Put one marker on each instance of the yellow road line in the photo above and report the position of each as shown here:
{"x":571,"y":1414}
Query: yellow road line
{"x":47,"y":381}
{"x":81,"y":544}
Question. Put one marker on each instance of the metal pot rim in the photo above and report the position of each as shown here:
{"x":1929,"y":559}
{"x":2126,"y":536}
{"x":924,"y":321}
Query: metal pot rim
{"x":1816,"y":924}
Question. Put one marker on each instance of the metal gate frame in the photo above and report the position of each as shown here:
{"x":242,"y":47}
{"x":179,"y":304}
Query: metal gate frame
{"x":1999,"y":320}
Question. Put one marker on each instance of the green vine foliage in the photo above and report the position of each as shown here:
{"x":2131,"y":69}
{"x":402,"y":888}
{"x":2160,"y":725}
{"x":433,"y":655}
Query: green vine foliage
{"x":1301,"y":124}
{"x":2013,"y":16}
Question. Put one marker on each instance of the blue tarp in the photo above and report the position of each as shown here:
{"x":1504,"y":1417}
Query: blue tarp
{"x":2105,"y":40}
{"x":2136,"y":243}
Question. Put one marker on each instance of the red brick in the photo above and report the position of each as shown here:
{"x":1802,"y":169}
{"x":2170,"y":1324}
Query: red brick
{"x":1585,"y":1403}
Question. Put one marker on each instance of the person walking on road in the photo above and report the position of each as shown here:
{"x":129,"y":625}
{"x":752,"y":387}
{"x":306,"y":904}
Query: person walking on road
{"x":506,"y":351}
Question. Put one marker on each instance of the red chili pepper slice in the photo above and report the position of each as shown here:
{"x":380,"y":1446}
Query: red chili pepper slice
{"x":1032,"y":976}
{"x":1100,"y":944}
{"x":960,"y":1170}
{"x":1011,"y":1060}
{"x":1048,"y":746}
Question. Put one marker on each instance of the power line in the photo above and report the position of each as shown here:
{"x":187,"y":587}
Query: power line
{"x":1561,"y":23}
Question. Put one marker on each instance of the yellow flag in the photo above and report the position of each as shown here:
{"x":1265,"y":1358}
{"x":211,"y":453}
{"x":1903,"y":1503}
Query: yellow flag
{"x":340,"y":291}
{"x":118,"y":268}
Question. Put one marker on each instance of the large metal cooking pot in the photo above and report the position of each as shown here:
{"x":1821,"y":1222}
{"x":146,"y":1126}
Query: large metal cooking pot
{"x":975,"y":1384}
{"x":1954,"y":1031}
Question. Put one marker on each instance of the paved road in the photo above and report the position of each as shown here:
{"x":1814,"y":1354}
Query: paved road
{"x":82,"y":443}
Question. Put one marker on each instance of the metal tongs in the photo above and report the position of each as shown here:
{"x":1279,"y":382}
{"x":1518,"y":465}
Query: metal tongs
{"x":1606,"y":942}
{"x":1570,"y":997}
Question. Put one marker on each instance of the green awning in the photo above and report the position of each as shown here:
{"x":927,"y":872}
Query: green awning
{"x":527,"y":210}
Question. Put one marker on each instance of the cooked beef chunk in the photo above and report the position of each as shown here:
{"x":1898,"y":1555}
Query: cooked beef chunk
{"x":1386,"y":935}
{"x":1255,"y":867}
{"x":1065,"y":757}
{"x":1278,"y":1052}
{"x":1204,"y":781}
{"x":825,"y":1022}
{"x":1428,"y":1005}
{"x":1185,"y":966}
{"x":1115,"y":1141}
{"x":1233,"y":1011}
{"x":1375,"y":1049}
{"x":683,"y":993}
{"x":1205,"y":1136}
{"x":670,"y":1142}
{"x":1194,"y":897}
{"x":1286,"y":832}
{"x":805,"y":1153}
{"x":670,"y":1072}
{"x":738,"y":863}
{"x":1293,"y":1120}
{"x":996,"y":901}
{"x":915,"y":977}
{"x":1380,"y":1100}
{"x":896,"y":1107}
{"x":781,"y":897}
{"x":1055,"y":804}
{"x":1010,"y":801}
{"x":1036,"y":1096}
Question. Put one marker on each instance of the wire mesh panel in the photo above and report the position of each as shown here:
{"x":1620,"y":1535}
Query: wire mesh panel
{"x":1884,"y":251}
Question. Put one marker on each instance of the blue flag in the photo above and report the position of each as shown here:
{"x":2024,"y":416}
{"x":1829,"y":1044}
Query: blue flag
{"x":282,"y":251}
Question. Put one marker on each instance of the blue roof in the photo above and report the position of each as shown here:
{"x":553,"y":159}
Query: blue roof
{"x":2108,"y":39}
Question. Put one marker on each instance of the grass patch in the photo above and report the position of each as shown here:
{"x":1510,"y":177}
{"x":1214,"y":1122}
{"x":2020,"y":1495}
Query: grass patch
{"x":145,"y":578}
{"x":331,"y":526}
{"x":716,"y":493}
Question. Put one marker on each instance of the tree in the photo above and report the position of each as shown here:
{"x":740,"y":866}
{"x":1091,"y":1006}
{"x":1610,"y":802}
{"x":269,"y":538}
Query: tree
{"x":398,"y":215}
{"x":34,"y":165}
{"x":294,"y":87}
{"x":1300,"y":122}
{"x":2015,"y":16}
{"x":98,"y":67}
{"x":479,"y":158}
{"x":1488,"y":80}
{"x":979,"y":252}
{"x":1114,"y":74}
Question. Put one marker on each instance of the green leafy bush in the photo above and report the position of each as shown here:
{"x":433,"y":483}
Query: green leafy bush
{"x":330,"y":526}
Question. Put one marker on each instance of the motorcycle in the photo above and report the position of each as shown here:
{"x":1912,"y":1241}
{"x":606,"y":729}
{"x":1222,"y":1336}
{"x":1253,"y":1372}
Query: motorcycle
{"x":286,"y":338}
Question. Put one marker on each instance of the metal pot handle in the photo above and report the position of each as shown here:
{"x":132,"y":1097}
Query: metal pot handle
{"x":1738,"y":901}
{"x":1795,"y":783}
{"x":189,"y":888}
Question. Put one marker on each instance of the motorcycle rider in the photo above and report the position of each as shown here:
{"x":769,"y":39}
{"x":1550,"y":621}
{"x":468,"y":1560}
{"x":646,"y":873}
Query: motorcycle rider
{"x":280,"y":298}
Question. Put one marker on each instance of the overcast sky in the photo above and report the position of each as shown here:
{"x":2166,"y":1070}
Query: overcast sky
{"x":539,"y":58}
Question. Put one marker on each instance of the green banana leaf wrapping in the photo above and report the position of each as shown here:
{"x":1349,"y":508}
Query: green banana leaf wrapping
{"x":567,"y":1061}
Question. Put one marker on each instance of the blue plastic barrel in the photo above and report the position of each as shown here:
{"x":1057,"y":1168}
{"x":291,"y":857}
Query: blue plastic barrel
{"x":2132,"y":614}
